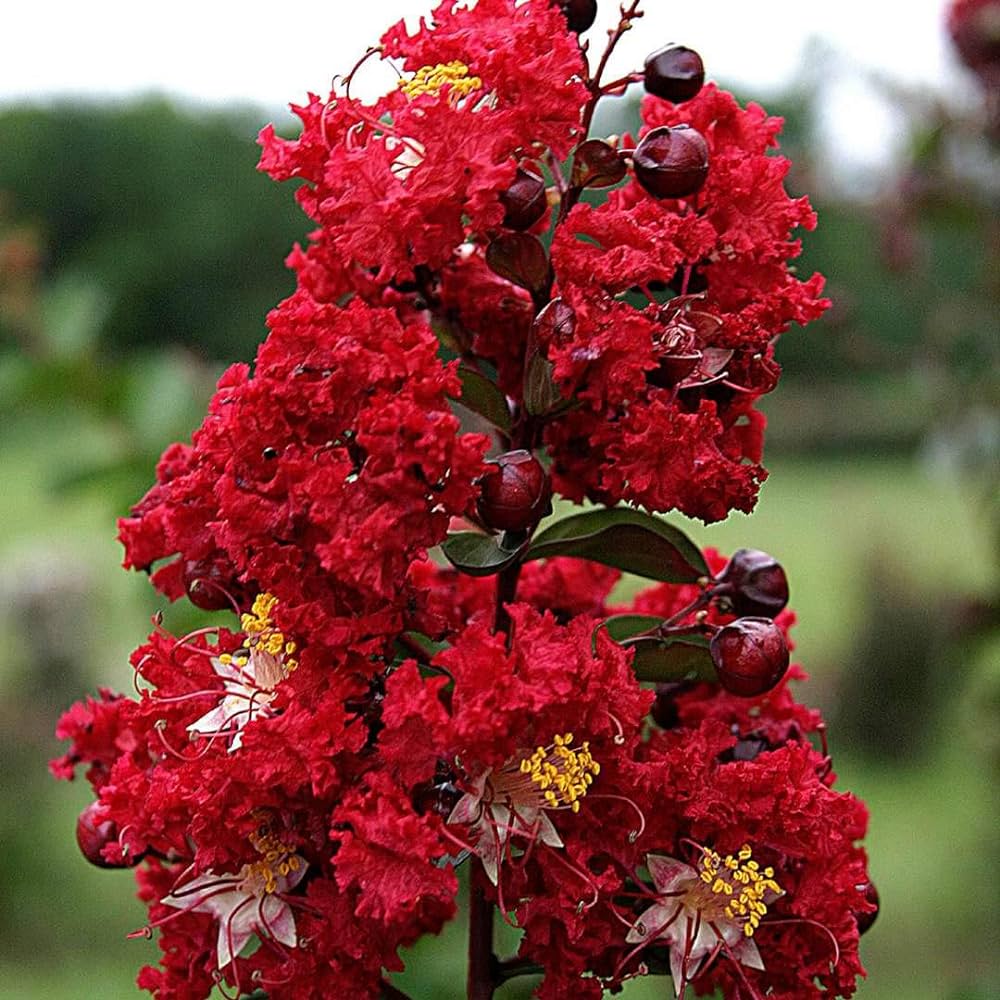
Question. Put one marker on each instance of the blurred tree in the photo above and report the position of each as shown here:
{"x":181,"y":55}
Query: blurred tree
{"x":161,"y":208}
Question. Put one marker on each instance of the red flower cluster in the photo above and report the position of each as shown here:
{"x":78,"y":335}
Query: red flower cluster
{"x":313,"y":779}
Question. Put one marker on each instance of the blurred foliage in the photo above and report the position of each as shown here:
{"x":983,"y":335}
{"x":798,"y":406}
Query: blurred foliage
{"x":160,"y":209}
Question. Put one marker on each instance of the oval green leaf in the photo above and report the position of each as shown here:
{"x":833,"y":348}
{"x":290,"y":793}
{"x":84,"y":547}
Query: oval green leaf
{"x":686,"y":658}
{"x":476,"y":554}
{"x":484,"y":397}
{"x":628,"y":540}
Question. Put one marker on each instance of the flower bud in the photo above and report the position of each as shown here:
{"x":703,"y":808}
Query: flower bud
{"x":750,"y":656}
{"x":515,"y":495}
{"x":580,"y":14}
{"x":525,"y":200}
{"x":93,"y":834}
{"x":865,"y":920}
{"x":439,"y":797}
{"x":674,"y":73}
{"x":664,"y":710}
{"x":671,"y":162}
{"x":755,"y":583}
{"x":210,"y":584}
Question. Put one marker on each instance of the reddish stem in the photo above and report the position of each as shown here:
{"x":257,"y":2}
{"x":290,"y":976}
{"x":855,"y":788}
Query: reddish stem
{"x":482,"y":961}
{"x":614,"y":37}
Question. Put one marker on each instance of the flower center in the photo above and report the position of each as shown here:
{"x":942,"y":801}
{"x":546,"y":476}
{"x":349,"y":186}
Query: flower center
{"x":554,"y":777}
{"x":265,"y":643}
{"x":739,"y":885}
{"x":278,"y":859}
{"x":431,"y":80}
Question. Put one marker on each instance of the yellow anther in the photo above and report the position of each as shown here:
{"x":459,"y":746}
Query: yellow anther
{"x":432,"y":79}
{"x":563,"y":774}
{"x":277,"y":858}
{"x":740,"y":879}
{"x":263,"y":636}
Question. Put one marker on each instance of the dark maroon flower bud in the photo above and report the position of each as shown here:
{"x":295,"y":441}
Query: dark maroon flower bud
{"x":94,"y":834}
{"x":580,"y":14}
{"x":664,"y":711}
{"x":673,"y":369}
{"x":525,"y":200}
{"x":865,"y":920}
{"x":755,"y":583}
{"x":672,"y":161}
{"x":515,"y":495}
{"x":745,"y":748}
{"x":674,"y":73}
{"x":439,"y":797}
{"x":750,"y":656}
{"x":210,"y":584}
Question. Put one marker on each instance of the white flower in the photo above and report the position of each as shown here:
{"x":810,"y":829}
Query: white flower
{"x":514,"y":800}
{"x":249,"y":678}
{"x":703,"y":911}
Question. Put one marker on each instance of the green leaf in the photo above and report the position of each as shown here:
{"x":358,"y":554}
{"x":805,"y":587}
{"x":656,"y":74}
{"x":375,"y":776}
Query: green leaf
{"x":685,"y":658}
{"x":626,"y":626}
{"x":657,"y":658}
{"x":484,"y":397}
{"x":476,"y":554}
{"x":626,"y":539}
{"x":541,"y":394}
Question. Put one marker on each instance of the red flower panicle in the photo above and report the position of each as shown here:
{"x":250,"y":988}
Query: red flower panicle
{"x":298,"y":785}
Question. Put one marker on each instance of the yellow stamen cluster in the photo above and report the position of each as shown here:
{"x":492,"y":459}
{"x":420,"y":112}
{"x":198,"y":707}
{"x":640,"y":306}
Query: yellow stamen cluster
{"x":278,"y":861}
{"x":262,"y":635}
{"x":563,"y":773}
{"x":431,"y":79}
{"x":744,"y":884}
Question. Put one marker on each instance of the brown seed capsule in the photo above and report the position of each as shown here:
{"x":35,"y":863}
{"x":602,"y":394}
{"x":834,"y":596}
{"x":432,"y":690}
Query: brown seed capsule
{"x":755,"y":583}
{"x":750,"y":656}
{"x":672,"y":161}
{"x":93,"y":835}
{"x":525,"y":200}
{"x":675,"y":73}
{"x":580,"y":14}
{"x":516,"y":494}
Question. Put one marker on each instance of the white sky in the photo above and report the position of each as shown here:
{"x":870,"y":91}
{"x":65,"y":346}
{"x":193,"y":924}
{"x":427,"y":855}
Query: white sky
{"x":264,"y":53}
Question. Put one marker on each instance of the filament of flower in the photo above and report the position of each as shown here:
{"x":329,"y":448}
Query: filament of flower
{"x":432,"y":79}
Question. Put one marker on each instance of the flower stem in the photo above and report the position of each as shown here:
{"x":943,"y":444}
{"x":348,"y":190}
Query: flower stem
{"x":481,"y":958}
{"x":483,"y":978}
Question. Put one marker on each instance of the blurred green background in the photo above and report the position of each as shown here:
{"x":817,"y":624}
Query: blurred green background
{"x":139,"y":252}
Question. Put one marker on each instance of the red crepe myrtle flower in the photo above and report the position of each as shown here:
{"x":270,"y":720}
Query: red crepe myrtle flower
{"x":312,"y":776}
